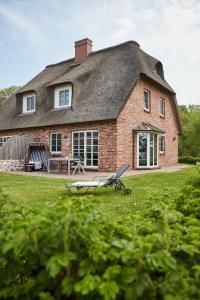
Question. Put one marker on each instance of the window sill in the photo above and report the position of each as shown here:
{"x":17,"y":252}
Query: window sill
{"x":161,"y":153}
{"x":147,"y":110}
{"x":27,"y":113}
{"x":162,"y":116}
{"x":61,"y":108}
{"x":56,"y":153}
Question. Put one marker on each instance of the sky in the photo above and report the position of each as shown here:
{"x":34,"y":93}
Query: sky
{"x":35,"y":33}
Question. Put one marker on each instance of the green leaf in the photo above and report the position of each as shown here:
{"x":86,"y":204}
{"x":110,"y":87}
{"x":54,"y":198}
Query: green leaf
{"x":109,"y":290}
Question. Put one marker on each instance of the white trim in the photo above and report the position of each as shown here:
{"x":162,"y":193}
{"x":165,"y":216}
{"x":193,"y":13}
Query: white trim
{"x":162,"y":137}
{"x":57,"y":93}
{"x":85,"y":144}
{"x":149,"y":100}
{"x":24,"y":106}
{"x":148,"y":151}
{"x":55,"y":152}
{"x":162,"y":101}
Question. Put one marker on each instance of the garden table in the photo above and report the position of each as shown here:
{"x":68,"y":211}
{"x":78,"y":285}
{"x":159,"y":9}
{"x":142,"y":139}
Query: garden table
{"x":65,"y":159}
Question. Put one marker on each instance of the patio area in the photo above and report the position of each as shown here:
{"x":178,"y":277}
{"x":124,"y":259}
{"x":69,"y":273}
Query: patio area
{"x":90,"y":175}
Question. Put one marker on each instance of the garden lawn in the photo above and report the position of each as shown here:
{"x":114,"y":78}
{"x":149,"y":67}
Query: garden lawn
{"x":39,"y":192}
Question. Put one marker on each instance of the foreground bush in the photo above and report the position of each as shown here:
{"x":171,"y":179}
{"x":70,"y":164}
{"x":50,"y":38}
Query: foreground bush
{"x":72,"y":251}
{"x":189,"y":160}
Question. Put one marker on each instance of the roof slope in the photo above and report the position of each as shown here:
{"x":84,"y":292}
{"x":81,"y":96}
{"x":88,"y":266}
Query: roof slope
{"x":101,"y":85}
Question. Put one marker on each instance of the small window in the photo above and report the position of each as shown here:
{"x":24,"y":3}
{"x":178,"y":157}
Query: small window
{"x":147,"y":100}
{"x":162,"y":144}
{"x":29,"y":103}
{"x":162,"y":107}
{"x":62,"y":97}
{"x":3,"y":140}
{"x":56,"y":142}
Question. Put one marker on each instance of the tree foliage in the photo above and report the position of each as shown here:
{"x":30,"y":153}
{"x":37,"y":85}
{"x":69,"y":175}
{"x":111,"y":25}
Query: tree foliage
{"x":189,"y":142}
{"x":71,"y":250}
{"x":9,"y":90}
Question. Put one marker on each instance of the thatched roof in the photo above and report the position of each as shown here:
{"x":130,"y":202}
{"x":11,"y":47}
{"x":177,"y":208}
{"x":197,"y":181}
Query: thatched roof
{"x":101,"y":86}
{"x":2,"y":100}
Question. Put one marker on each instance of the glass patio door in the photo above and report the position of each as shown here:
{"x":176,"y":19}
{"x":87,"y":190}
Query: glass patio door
{"x":85,"y":144}
{"x":147,"y":150}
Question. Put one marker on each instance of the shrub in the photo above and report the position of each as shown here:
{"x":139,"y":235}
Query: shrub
{"x":188,"y":160}
{"x":72,"y":251}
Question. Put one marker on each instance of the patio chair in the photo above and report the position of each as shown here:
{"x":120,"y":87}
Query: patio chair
{"x":112,"y":180}
{"x":78,"y":165}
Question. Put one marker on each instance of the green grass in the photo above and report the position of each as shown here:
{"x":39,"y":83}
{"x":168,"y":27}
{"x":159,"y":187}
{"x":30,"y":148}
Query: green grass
{"x":37,"y":191}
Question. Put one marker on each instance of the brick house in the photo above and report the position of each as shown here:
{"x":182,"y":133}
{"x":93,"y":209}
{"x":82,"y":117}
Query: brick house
{"x":110,"y":106}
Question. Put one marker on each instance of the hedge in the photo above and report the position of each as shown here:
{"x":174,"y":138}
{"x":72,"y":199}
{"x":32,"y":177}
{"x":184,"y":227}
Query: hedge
{"x":189,"y":159}
{"x":70,"y":250}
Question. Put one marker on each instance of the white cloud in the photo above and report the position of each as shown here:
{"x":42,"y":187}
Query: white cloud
{"x":18,"y":20}
{"x":167,"y":29}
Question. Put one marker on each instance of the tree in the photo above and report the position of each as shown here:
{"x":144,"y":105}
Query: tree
{"x":189,"y":142}
{"x":9,"y":90}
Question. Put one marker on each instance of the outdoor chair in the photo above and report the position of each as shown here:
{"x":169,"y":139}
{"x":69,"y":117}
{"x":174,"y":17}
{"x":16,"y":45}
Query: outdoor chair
{"x":77,"y":164}
{"x":112,"y":180}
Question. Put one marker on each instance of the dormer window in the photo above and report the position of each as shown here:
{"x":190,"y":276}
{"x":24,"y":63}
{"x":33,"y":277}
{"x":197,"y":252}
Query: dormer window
{"x":29,"y":103}
{"x":63,"y":95}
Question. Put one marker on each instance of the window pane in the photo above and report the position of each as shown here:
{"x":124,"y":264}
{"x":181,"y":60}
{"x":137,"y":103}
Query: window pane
{"x":95,"y":134}
{"x":89,"y":134}
{"x":151,"y":149}
{"x":146,"y":100}
{"x":155,"y":149}
{"x":142,"y":149}
{"x":162,"y":107}
{"x":30,"y":103}
{"x":64,"y":97}
{"x":95,"y":163}
{"x":89,"y":163}
{"x":95,"y":155}
{"x":56,"y":142}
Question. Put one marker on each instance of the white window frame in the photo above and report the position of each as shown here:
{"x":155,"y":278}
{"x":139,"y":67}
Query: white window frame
{"x":57,"y":96}
{"x":162,"y":107}
{"x":85,"y":137}
{"x":25,"y":111}
{"x":148,"y":166}
{"x":149,"y":100}
{"x":55,"y":152}
{"x":5,"y":139}
{"x":160,"y":138}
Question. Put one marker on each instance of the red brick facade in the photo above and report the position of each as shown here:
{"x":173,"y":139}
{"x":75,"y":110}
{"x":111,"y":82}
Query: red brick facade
{"x":133,"y":113}
{"x":117,"y":141}
{"x":107,"y":139}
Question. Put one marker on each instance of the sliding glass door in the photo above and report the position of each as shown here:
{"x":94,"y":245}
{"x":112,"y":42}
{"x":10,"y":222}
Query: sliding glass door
{"x":86,"y":145}
{"x":147,"y":150}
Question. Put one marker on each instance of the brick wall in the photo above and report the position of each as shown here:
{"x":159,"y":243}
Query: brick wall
{"x":133,"y":113}
{"x":117,"y":141}
{"x":107,"y":139}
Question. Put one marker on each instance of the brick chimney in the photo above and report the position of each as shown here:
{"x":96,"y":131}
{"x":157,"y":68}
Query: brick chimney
{"x":82,"y":49}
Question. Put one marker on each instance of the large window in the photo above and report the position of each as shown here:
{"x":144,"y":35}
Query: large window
{"x":147,"y":100}
{"x":29,"y":103}
{"x":56,"y":142}
{"x":3,"y":140}
{"x":162,"y":144}
{"x":147,"y":150}
{"x":162,"y":107}
{"x":86,"y":145}
{"x":62,"y":97}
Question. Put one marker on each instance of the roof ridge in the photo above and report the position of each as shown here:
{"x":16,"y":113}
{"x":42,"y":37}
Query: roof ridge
{"x":96,"y":52}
